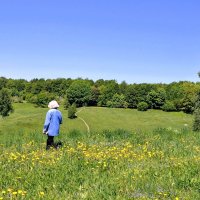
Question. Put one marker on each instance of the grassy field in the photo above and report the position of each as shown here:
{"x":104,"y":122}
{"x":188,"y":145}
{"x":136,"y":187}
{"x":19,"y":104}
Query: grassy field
{"x":111,"y":118}
{"x":28,"y":118}
{"x":126,"y":155}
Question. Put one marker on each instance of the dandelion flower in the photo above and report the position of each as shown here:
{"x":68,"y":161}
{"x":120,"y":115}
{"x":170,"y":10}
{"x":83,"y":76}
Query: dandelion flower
{"x":42,"y":193}
{"x":14,"y":193}
{"x":19,"y":191}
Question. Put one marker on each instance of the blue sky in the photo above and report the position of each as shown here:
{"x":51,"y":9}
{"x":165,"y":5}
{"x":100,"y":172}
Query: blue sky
{"x":150,"y":41}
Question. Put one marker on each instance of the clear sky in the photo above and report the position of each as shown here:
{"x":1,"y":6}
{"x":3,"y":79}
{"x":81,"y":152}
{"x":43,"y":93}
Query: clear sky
{"x":150,"y":41}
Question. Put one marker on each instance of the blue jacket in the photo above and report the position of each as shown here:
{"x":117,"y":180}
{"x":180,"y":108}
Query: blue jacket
{"x":52,"y":122}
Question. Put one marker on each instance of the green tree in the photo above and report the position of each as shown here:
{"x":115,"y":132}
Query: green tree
{"x":117,"y":101}
{"x":99,"y":83}
{"x":43,"y":98}
{"x":174,"y":91}
{"x":131,"y":96}
{"x":188,"y":104}
{"x":188,"y":101}
{"x":123,"y":87}
{"x":107,"y":91}
{"x":79,"y":93}
{"x":142,"y":91}
{"x":66,"y":103}
{"x":5,"y":104}
{"x":156,"y":99}
{"x":58,"y":86}
{"x":3,"y":82}
{"x":95,"y":92}
{"x":196,"y":123}
{"x":137,"y":93}
{"x":168,"y":106}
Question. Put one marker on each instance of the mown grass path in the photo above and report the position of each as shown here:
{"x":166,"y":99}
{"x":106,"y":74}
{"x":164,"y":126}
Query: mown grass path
{"x":87,"y":126}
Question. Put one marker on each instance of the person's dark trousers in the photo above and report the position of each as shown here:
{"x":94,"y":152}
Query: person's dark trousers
{"x":50,"y":142}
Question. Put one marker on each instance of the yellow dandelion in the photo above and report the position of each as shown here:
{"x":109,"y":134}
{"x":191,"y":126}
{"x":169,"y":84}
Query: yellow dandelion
{"x":42,"y":193}
{"x":24,"y":193}
{"x":14,"y":193}
{"x":19,"y":191}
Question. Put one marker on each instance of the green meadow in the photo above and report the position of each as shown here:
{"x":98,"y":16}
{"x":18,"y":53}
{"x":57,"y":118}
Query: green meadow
{"x":26,"y":117}
{"x":126,"y":154}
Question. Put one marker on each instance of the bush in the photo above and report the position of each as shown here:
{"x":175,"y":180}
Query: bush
{"x":142,"y":106}
{"x":196,"y":123}
{"x":168,"y":106}
{"x":30,"y":98}
{"x":188,"y":104}
{"x":109,"y":104}
{"x":43,"y":98}
{"x":178,"y":104}
{"x":16,"y":99}
{"x":72,"y":111}
{"x":66,"y":103}
{"x":5,"y":103}
{"x":156,"y":99}
{"x":117,"y":101}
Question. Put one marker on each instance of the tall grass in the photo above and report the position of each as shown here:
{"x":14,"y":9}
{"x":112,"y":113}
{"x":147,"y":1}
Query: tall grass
{"x":110,"y":162}
{"x":163,"y":164}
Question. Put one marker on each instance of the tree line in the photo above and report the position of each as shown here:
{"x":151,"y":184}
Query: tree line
{"x":175,"y":96}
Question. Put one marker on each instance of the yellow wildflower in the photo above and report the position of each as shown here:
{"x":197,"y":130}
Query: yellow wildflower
{"x":14,"y":193}
{"x":42,"y":193}
{"x":19,"y":191}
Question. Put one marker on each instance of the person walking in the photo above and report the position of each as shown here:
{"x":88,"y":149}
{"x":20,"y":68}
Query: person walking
{"x":52,"y":124}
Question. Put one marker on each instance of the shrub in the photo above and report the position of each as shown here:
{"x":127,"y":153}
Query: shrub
{"x":66,"y":103}
{"x":178,"y":104}
{"x":168,"y":106}
{"x":5,"y":103}
{"x":43,"y":98}
{"x":30,"y":98}
{"x":196,"y":123}
{"x":188,"y":104}
{"x":109,"y":104}
{"x":72,"y":111}
{"x":117,"y":101}
{"x":16,"y":99}
{"x":156,"y":99}
{"x":142,"y":106}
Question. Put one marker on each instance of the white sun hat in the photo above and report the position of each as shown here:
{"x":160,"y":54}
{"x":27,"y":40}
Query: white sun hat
{"x":53,"y":104}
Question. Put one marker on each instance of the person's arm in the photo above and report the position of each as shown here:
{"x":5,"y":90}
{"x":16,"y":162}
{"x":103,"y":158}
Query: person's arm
{"x":47,"y":122}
